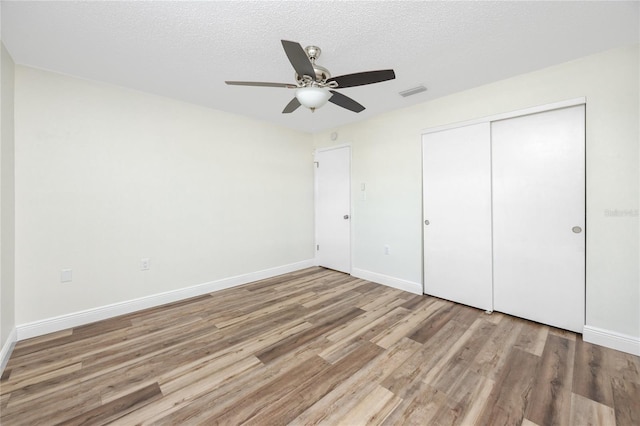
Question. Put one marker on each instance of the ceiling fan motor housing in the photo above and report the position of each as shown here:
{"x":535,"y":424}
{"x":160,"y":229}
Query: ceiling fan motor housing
{"x":322,"y":74}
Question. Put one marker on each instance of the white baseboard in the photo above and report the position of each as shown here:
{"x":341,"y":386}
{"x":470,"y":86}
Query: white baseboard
{"x":7,"y":348}
{"x":410,"y":286}
{"x":63,"y":322}
{"x":611,"y":339}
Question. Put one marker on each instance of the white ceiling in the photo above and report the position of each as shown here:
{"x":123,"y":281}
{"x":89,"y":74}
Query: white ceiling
{"x":186,"y":49}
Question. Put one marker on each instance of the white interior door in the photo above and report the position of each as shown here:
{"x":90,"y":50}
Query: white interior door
{"x":457,"y":215}
{"x":333,"y":208}
{"x":539,"y":217}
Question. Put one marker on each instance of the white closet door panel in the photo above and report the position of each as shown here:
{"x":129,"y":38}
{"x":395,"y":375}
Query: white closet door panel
{"x":457,"y":205}
{"x":538,"y":199}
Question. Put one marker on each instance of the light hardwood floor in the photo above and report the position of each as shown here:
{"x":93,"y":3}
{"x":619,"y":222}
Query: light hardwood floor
{"x":317,"y":347}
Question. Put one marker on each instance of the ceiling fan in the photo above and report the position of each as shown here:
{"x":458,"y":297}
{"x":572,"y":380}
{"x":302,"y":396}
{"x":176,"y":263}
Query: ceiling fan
{"x":314,"y":83}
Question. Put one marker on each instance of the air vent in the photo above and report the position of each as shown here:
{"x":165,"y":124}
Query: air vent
{"x":413,"y":91}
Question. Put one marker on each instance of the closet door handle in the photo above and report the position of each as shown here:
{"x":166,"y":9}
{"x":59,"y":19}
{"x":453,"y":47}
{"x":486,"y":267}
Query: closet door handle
{"x":576,"y":229}
{"x":426,"y":222}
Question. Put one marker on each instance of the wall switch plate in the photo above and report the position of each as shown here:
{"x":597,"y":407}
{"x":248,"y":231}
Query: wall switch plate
{"x":65,"y":275}
{"x":387,"y":249}
{"x":145,"y":264}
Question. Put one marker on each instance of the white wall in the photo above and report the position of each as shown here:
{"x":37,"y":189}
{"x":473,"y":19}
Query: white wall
{"x":107,"y":176}
{"x":7,"y":284}
{"x":387,"y":157}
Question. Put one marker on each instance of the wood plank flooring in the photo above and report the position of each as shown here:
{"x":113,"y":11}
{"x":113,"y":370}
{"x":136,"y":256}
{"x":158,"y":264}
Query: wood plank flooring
{"x":317,"y":347}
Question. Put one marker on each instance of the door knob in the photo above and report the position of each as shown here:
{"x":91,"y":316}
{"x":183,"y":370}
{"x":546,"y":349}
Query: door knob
{"x":426,"y":222}
{"x":346,"y":216}
{"x":576,"y":229}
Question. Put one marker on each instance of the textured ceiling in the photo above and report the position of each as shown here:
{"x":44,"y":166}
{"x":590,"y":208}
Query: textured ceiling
{"x":186,"y":49}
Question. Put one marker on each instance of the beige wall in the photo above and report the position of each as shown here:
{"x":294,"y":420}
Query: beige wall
{"x":107,"y":176}
{"x":387,"y":157}
{"x":7,"y":284}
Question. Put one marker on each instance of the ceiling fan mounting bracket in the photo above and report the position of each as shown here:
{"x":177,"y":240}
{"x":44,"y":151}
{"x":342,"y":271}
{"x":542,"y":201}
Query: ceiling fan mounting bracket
{"x":313,"y":52}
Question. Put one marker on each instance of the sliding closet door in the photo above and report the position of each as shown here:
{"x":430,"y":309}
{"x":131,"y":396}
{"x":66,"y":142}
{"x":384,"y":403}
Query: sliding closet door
{"x":539,"y":217}
{"x":457,"y":215}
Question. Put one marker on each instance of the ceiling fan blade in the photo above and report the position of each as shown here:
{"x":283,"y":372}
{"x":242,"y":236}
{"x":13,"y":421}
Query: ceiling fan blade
{"x":298,"y":58}
{"x":261,"y":84}
{"x":291,"y":106}
{"x":362,"y":78}
{"x":345,"y":102}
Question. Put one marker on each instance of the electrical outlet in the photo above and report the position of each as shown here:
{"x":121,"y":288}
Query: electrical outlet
{"x":65,"y":275}
{"x":145,"y":264}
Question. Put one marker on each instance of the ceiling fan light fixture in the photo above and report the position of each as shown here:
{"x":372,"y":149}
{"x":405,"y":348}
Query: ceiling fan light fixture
{"x":312,"y":97}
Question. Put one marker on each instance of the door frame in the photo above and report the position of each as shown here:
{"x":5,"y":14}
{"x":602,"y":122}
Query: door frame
{"x":315,"y":200}
{"x":502,"y":116}
{"x":510,"y":114}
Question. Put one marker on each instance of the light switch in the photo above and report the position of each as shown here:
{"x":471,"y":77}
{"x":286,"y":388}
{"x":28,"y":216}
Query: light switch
{"x":145,"y":264}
